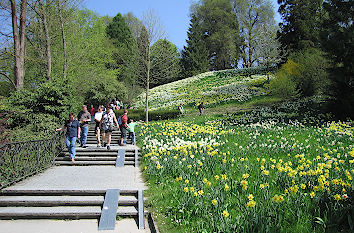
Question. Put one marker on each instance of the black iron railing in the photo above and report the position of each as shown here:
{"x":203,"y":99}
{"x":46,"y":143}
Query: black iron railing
{"x":22,"y":159}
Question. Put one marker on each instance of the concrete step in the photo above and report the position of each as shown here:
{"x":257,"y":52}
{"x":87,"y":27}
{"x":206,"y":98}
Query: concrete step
{"x":46,"y":201}
{"x":50,"y":192}
{"x":86,"y":158}
{"x":99,"y":149}
{"x":57,"y":212}
{"x":42,"y":201}
{"x":85,"y":163}
{"x":98,"y":153}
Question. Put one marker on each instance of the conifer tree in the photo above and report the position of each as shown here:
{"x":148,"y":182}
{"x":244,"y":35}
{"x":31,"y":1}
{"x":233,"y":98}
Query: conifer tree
{"x":195,"y":55}
{"x":126,"y":49}
{"x":301,"y":23}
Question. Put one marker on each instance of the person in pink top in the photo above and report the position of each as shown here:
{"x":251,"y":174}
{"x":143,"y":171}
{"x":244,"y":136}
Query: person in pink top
{"x":123,"y":128}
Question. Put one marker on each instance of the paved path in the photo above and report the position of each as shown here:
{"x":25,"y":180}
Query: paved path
{"x":78,"y":178}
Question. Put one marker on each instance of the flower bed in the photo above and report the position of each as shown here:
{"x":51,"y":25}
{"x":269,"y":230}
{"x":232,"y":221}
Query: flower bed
{"x":255,"y":177}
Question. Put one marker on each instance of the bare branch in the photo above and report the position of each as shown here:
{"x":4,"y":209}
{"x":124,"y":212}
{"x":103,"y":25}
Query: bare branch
{"x":8,"y":78}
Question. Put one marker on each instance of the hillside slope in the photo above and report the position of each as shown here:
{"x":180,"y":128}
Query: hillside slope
{"x":207,"y":87}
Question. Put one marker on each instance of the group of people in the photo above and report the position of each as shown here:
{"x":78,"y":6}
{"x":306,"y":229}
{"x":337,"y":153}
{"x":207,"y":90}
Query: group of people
{"x":200,"y":108}
{"x":104,"y":123}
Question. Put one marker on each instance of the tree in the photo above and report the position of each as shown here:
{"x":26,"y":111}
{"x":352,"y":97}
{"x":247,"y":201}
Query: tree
{"x":337,"y":41}
{"x":253,"y":17}
{"x":59,"y":5}
{"x":268,"y":49}
{"x":195,"y":55}
{"x":301,"y":23}
{"x":165,"y":62}
{"x":19,"y":41}
{"x":120,"y":34}
{"x":150,"y":32}
{"x":220,"y":28}
{"x":43,"y":15}
{"x":134,"y":24}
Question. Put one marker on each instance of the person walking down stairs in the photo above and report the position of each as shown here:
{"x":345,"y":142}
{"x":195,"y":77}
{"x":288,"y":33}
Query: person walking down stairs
{"x":98,"y":118}
{"x":85,"y":118}
{"x":123,"y":128}
{"x":108,"y":126}
{"x":72,"y":127}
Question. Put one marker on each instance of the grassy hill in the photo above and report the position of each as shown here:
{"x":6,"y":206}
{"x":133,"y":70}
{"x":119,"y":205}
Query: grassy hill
{"x":209,"y":87}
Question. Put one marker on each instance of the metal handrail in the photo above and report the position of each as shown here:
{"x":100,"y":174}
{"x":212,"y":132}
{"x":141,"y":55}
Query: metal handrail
{"x":19,"y":160}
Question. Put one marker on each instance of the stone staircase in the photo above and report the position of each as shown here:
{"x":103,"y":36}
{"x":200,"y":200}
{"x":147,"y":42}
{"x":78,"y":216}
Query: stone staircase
{"x":68,"y":204}
{"x":102,"y":204}
{"x":98,"y":157}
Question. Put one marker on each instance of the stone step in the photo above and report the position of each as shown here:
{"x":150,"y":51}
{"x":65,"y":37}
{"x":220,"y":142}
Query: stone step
{"x":57,"y":212}
{"x":45,"y":201}
{"x":91,"y":163}
{"x":100,"y":149}
{"x":85,"y":163}
{"x":50,"y":192}
{"x":86,"y":158}
{"x":96,"y":153}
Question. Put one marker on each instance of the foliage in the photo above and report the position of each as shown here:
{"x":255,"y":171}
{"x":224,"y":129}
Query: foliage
{"x":35,"y":114}
{"x":156,"y":115}
{"x":219,"y":24}
{"x":254,"y":16}
{"x":338,"y":43}
{"x":195,"y":55}
{"x":301,"y":22}
{"x":304,"y":73}
{"x":260,"y":177}
{"x":165,"y":62}
{"x":284,"y":84}
{"x":104,"y":90}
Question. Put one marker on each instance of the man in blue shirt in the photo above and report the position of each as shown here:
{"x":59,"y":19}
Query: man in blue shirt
{"x":72,"y":127}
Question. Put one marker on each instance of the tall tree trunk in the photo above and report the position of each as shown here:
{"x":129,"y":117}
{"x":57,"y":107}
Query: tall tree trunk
{"x":147,"y":88}
{"x":47,"y":40}
{"x":19,"y":42}
{"x":63,"y":39}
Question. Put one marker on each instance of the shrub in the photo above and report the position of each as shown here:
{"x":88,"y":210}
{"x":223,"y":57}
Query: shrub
{"x":283,"y":85}
{"x":103,"y":90}
{"x":34,"y":114}
{"x":139,"y":114}
{"x":305,"y":73}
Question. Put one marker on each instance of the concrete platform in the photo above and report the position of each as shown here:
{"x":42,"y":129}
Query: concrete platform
{"x":62,"y":226}
{"x":84,"y":178}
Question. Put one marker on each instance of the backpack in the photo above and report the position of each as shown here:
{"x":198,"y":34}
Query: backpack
{"x":119,"y":121}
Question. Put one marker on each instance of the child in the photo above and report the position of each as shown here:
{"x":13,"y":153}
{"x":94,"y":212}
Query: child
{"x":131,"y":128}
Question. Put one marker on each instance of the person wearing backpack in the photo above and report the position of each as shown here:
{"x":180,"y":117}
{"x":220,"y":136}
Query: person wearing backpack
{"x":123,"y":128}
{"x":108,"y":126}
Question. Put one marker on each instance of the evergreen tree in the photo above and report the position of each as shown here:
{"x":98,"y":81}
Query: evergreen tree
{"x":220,"y":27}
{"x":339,"y":44}
{"x":195,"y":55}
{"x":126,"y":53}
{"x":301,"y":22}
{"x":165,"y":62}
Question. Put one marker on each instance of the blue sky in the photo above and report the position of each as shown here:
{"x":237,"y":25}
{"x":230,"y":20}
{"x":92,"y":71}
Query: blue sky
{"x":174,"y":14}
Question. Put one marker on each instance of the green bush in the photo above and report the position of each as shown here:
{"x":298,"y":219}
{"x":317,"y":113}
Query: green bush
{"x":103,"y":90}
{"x":306,"y":71}
{"x":34,"y":114}
{"x":283,"y":84}
{"x":156,"y":115}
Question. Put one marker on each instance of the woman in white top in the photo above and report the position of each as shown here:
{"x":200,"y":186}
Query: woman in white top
{"x":98,"y":118}
{"x":108,"y":120}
